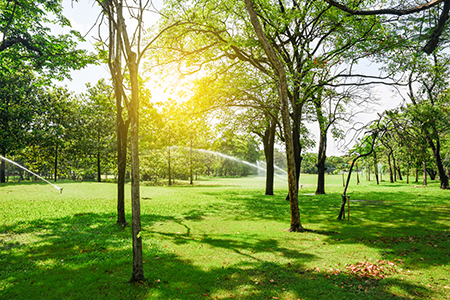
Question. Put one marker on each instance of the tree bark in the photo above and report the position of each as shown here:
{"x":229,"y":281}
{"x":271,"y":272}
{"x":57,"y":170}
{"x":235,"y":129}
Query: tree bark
{"x":417,"y":172}
{"x":436,"y":148}
{"x":283,"y":93}
{"x":394,"y":167}
{"x":2,"y":171}
{"x":399,"y":173}
{"x":99,"y":174}
{"x":375,"y":166}
{"x":424,"y":165}
{"x":321,"y":158}
{"x":138,"y":265}
{"x":269,"y":143}
{"x":169,"y":170}
{"x":115,"y":66}
{"x":407,"y":173}
{"x":321,"y":155}
{"x":391,"y":173}
{"x":56,"y":162}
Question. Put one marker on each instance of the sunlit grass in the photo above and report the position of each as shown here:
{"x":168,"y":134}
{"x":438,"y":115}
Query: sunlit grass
{"x":223,"y":238}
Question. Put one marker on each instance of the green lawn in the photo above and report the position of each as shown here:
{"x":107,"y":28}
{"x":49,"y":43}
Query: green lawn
{"x":224,"y":239}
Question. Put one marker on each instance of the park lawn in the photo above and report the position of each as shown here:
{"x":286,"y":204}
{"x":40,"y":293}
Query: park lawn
{"x":224,"y":239}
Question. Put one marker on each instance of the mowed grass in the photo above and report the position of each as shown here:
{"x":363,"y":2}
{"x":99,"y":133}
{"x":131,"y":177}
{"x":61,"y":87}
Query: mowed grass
{"x":224,"y":239}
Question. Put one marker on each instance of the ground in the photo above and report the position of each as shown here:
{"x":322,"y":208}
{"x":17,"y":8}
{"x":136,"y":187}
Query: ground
{"x":224,"y":239}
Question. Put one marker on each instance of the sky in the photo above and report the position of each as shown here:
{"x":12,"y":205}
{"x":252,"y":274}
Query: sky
{"x":83,"y":16}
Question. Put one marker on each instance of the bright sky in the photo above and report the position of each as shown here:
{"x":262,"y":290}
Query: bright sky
{"x":84,"y":15}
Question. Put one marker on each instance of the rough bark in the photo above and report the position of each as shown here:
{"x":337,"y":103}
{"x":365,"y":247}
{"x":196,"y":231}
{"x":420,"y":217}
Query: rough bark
{"x":321,"y":158}
{"x":321,"y":155}
{"x":115,"y":66}
{"x":269,"y":143}
{"x":436,"y":147}
{"x":283,"y":93}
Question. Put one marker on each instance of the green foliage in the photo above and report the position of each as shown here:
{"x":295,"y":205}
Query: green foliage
{"x":20,"y":104}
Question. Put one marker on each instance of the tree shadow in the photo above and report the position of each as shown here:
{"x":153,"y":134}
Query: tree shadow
{"x":87,"y":256}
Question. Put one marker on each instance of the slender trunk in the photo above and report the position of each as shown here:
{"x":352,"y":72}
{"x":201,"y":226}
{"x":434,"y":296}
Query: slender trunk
{"x":122,"y":139}
{"x":436,"y":147}
{"x":269,"y":143}
{"x":99,"y":174}
{"x":394,"y":169}
{"x":399,"y":173}
{"x":190,"y":163}
{"x":284,"y":98}
{"x":391,"y":173}
{"x":357,"y":175}
{"x":115,"y":68}
{"x":138,"y":265}
{"x":375,"y":166}
{"x":407,"y":173}
{"x":169,"y":170}
{"x":321,"y":158}
{"x":2,"y":171}
{"x":417,"y":172}
{"x":56,"y":162}
{"x":424,"y":165}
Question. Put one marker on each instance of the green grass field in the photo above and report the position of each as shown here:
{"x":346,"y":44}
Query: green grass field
{"x":224,"y":239}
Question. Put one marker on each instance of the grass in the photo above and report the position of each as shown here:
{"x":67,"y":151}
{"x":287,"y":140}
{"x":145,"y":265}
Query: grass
{"x":224,"y":239}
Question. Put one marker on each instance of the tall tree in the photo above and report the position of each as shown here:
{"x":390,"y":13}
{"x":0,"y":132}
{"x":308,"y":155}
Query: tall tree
{"x":19,"y":106}
{"x":130,"y":46}
{"x":98,"y":112}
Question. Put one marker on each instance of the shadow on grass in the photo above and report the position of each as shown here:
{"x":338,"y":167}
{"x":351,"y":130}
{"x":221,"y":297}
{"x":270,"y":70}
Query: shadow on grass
{"x":86,"y":256}
{"x":414,"y":230}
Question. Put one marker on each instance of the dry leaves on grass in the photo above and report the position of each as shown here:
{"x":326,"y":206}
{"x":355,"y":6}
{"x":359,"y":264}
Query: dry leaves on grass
{"x":377,"y":270}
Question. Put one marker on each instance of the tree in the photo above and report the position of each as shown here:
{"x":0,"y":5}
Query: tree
{"x":130,"y":47}
{"x":244,"y":99}
{"x":98,"y":114}
{"x":27,"y":42}
{"x":19,"y":106}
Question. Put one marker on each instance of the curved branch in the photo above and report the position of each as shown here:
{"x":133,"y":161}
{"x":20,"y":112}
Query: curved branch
{"x":387,"y":11}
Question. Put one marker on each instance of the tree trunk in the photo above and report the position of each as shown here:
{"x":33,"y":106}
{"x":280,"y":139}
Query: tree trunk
{"x":437,"y":157}
{"x":115,"y":68}
{"x":190,"y":163}
{"x":284,"y":98}
{"x":417,"y":172}
{"x":424,"y":164}
{"x":375,"y":166}
{"x":138,"y":265}
{"x":391,"y":175}
{"x":2,"y":171}
{"x":169,"y":170}
{"x":357,"y":175}
{"x":321,"y":158}
{"x":394,"y":169}
{"x":99,"y":174}
{"x":399,"y":173}
{"x":407,"y":173}
{"x":56,"y":162}
{"x":269,"y":143}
